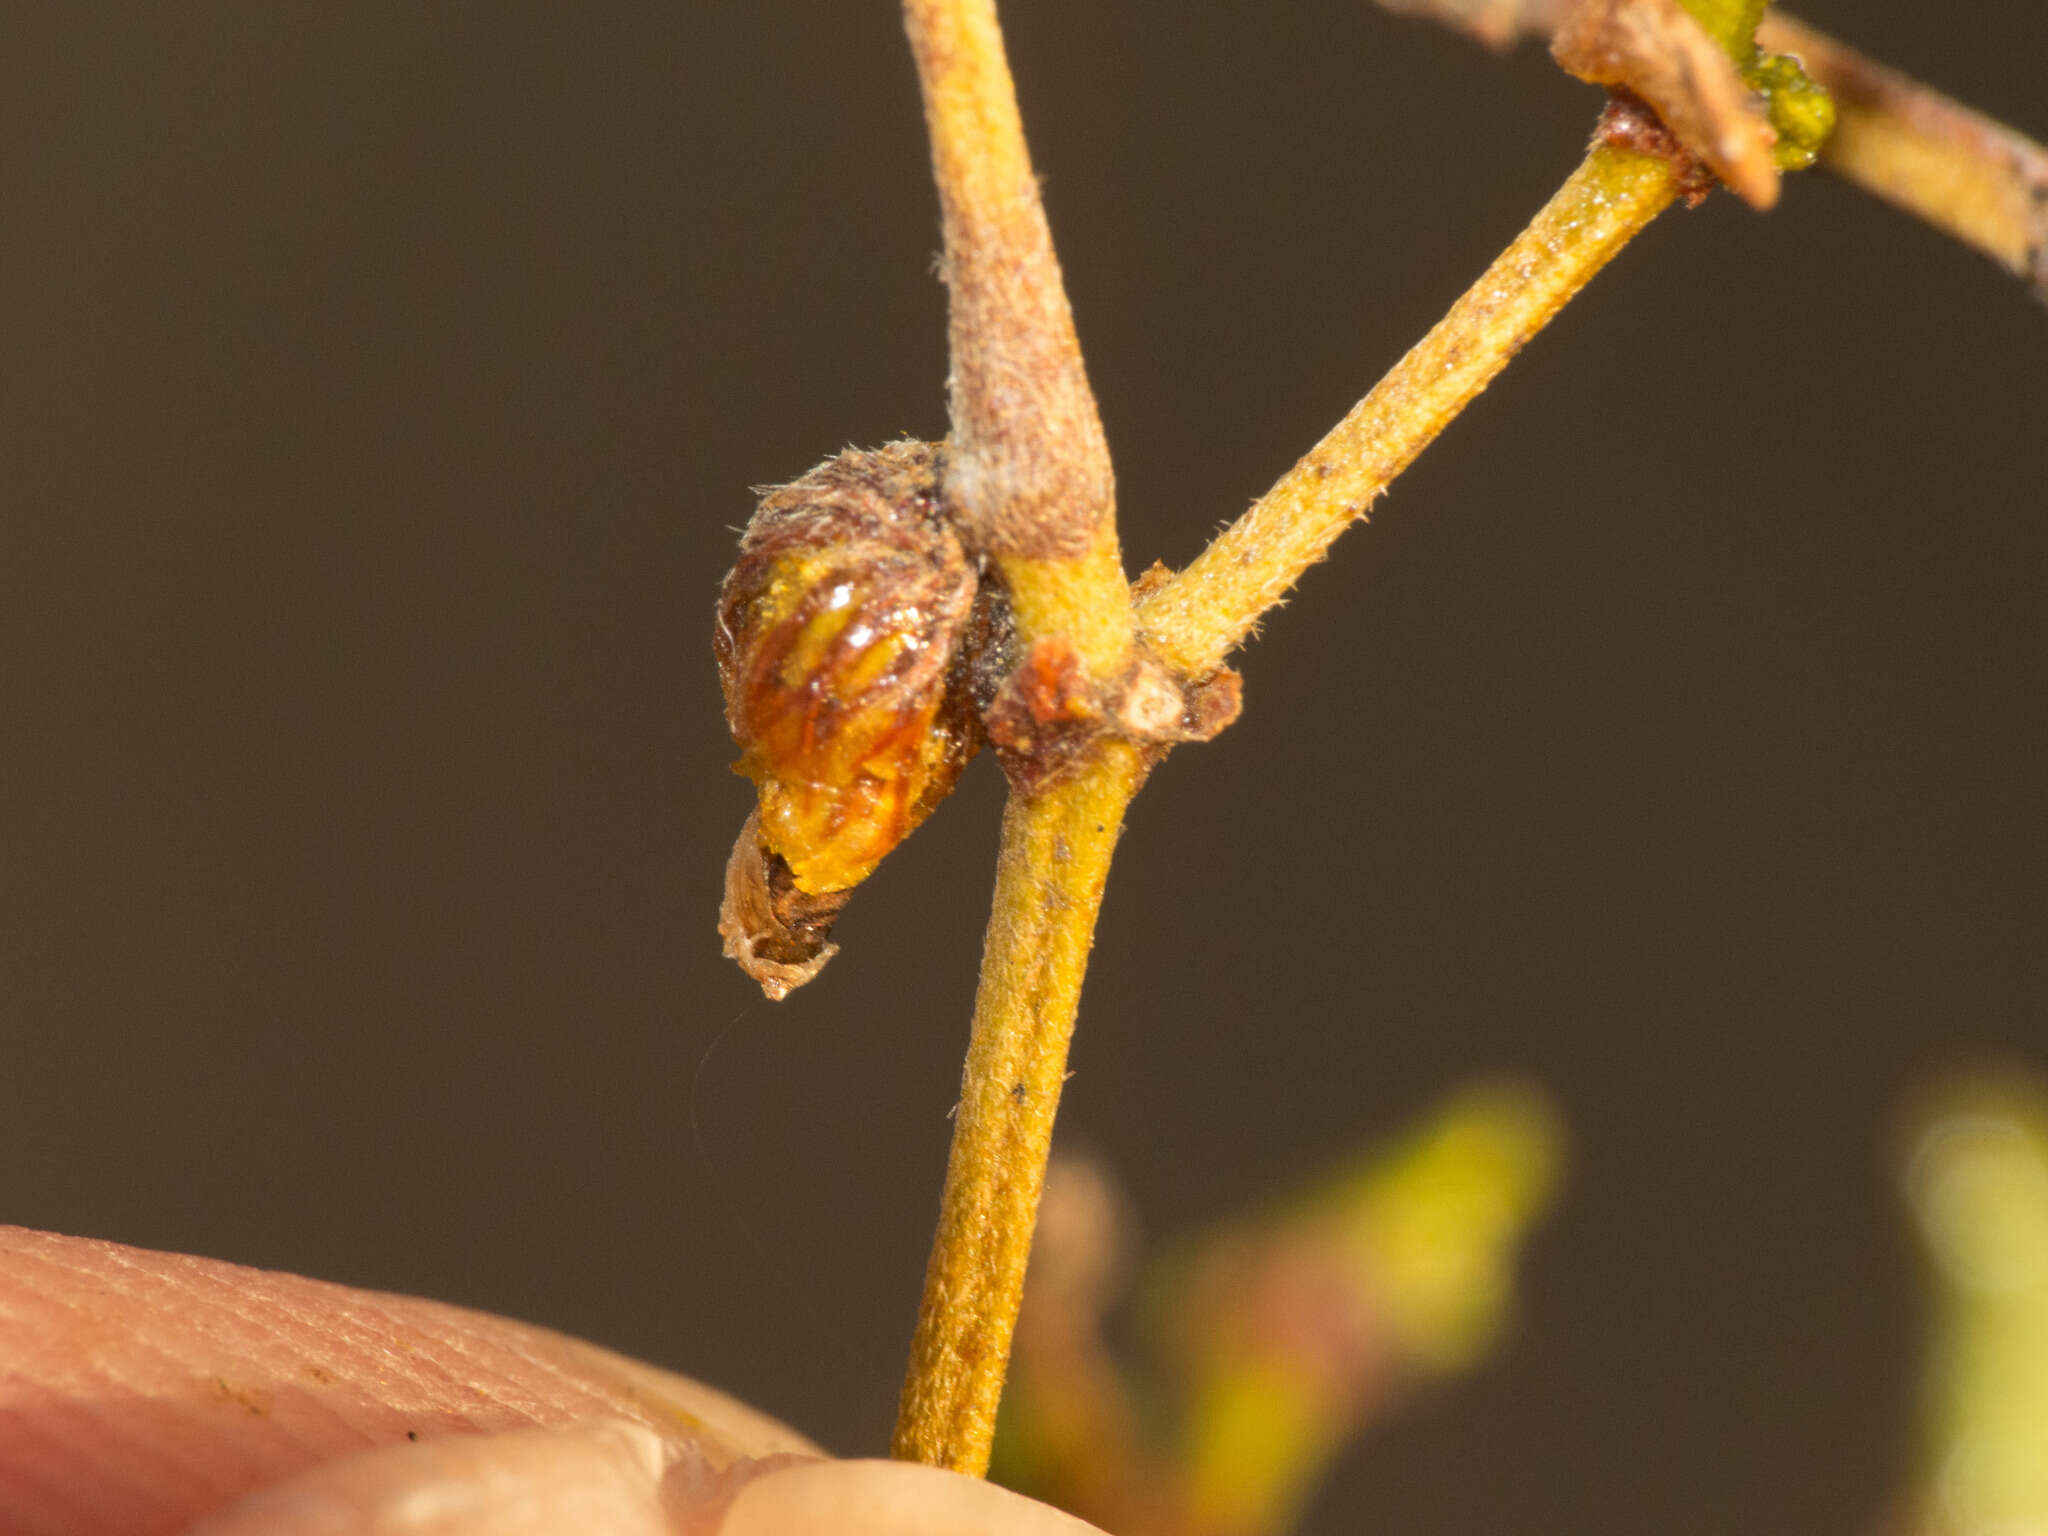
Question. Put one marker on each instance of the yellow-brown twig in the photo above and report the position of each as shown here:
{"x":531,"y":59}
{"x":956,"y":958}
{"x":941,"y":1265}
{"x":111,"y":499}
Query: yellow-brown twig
{"x":1030,"y":487}
{"x":1974,"y":178}
{"x":1197,"y":618}
{"x":1029,"y":477}
{"x":1966,"y":174}
{"x":1049,"y":882}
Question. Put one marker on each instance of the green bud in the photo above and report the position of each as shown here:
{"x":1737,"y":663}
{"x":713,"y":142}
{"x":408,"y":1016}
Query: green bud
{"x":1800,"y":109}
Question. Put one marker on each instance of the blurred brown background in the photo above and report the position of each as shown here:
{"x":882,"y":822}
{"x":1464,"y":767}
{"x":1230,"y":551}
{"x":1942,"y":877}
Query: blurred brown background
{"x":382,"y":386}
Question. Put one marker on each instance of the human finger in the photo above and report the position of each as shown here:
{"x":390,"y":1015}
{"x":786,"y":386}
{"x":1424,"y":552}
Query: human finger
{"x":141,"y":1390}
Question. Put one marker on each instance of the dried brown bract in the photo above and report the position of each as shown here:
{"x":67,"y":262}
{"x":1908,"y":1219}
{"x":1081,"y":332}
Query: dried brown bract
{"x":839,"y":645}
{"x":1047,"y":713}
{"x":777,"y":933}
{"x":1657,"y":50}
{"x":1044,"y":716}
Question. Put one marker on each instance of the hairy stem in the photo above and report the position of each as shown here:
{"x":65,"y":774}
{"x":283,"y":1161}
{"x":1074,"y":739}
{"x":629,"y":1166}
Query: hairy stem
{"x":1029,"y":486}
{"x":1029,"y":478}
{"x":1967,"y":175}
{"x":1201,"y":614}
{"x":1049,"y":882}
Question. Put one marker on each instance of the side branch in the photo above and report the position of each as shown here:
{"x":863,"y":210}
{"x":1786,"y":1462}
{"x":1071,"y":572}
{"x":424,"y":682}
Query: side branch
{"x":1197,"y":618}
{"x":1962,"y":172}
{"x":1029,"y":479}
{"x":1049,"y":883}
{"x":1968,"y":175}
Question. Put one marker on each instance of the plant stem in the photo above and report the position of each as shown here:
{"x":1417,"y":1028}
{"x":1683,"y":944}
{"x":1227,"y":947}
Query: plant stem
{"x":1196,"y":619}
{"x":1959,"y":170}
{"x":1049,"y":882}
{"x":1968,"y":175}
{"x":1028,"y":473}
{"x":1029,"y":485}
{"x":1730,"y":23}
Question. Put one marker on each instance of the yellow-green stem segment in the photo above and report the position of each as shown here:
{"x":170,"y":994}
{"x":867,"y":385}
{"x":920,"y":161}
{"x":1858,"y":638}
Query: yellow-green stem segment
{"x":1197,"y":618}
{"x":1030,"y":486}
{"x":1049,"y":882}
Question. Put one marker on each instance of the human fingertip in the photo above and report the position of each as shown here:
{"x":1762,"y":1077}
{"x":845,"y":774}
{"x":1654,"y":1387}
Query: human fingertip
{"x":887,"y":1498}
{"x":605,"y":1477}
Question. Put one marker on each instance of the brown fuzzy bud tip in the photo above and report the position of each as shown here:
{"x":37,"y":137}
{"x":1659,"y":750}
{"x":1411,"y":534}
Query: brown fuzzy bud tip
{"x":839,"y":645}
